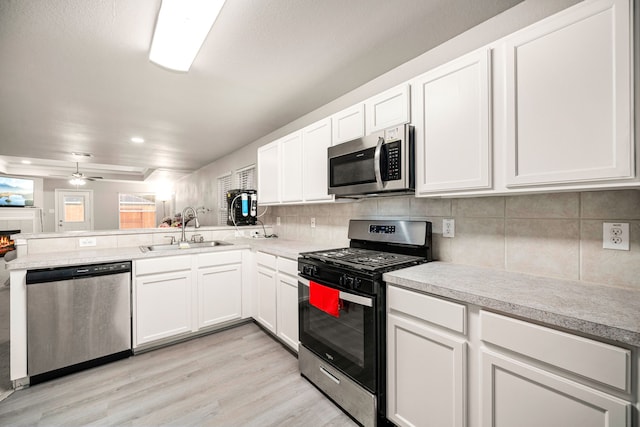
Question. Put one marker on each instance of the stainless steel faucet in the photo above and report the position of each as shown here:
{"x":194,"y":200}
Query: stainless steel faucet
{"x":185,"y":220}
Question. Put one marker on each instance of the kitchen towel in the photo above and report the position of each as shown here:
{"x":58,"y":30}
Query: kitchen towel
{"x":324,"y":298}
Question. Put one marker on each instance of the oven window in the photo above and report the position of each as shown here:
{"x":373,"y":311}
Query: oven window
{"x":351,"y":169}
{"x":348,"y":342}
{"x":345,"y":333}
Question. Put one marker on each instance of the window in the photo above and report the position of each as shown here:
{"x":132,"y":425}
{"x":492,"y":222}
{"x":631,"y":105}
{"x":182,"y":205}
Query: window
{"x":224,"y":185}
{"x":73,"y":209}
{"x":137,"y":210}
{"x":246,"y":178}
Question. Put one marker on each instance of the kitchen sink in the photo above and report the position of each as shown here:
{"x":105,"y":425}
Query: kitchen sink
{"x":183,"y":245}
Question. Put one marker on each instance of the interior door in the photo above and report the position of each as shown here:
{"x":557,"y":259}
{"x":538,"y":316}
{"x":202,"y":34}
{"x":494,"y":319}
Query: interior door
{"x":74,"y":210}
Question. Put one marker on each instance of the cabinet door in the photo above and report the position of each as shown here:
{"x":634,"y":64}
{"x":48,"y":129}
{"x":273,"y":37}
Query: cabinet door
{"x":517,"y":394}
{"x":163,"y":305}
{"x":288,"y":310}
{"x":390,"y":108}
{"x":291,"y":168}
{"x":452,"y":125}
{"x":219,"y":294}
{"x":348,"y":124}
{"x":267,"y":298}
{"x":569,"y":97}
{"x":316,"y":139}
{"x":268,"y":174}
{"x":426,"y":373}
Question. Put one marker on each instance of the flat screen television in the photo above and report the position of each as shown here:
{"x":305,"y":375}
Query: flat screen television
{"x":15,"y":192}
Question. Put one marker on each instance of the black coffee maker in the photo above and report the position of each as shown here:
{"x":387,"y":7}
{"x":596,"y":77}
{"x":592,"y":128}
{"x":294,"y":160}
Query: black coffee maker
{"x":242,"y":207}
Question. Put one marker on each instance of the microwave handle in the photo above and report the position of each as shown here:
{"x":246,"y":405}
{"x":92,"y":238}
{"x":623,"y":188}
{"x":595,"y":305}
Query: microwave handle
{"x":376,"y":163}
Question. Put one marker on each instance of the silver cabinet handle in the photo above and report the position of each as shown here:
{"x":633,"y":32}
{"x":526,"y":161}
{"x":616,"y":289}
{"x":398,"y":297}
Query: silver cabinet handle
{"x":376,"y":163}
{"x":330,"y":375}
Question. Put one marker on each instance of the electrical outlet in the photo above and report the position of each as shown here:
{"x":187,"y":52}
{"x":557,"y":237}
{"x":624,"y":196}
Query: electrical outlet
{"x":313,"y":223}
{"x":277,"y":220}
{"x":448,"y":228}
{"x":86,"y":241}
{"x":615,"y":235}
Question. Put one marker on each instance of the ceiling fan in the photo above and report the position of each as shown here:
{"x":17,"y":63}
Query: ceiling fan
{"x":78,"y":178}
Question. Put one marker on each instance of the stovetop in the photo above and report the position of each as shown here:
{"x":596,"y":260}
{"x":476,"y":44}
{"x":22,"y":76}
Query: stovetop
{"x":364,"y":259}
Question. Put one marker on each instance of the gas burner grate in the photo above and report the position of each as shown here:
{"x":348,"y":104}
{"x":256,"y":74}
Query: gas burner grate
{"x":363,"y":258}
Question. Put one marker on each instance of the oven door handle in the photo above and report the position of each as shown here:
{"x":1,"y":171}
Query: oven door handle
{"x":346,"y":296}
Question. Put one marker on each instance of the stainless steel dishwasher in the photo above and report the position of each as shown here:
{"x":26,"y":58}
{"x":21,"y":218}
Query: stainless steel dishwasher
{"x":77,"y":317}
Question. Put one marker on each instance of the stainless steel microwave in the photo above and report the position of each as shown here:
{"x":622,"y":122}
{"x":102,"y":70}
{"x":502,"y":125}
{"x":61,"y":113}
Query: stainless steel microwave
{"x":381,"y":163}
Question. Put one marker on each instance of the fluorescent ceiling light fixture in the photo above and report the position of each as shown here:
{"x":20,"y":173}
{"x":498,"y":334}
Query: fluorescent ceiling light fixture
{"x":137,"y":140}
{"x":181,"y":28}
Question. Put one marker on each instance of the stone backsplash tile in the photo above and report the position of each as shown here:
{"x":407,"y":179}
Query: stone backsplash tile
{"x":613,"y":267}
{"x":421,"y":206}
{"x":492,"y":207}
{"x":555,"y":205}
{"x":478,"y":241}
{"x":546,"y":247}
{"x":609,"y":205}
{"x":538,"y":234}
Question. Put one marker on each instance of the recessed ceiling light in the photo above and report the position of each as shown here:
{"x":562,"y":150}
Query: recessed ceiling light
{"x":26,"y":162}
{"x":79,"y":154}
{"x":180,"y":31}
{"x":137,"y":140}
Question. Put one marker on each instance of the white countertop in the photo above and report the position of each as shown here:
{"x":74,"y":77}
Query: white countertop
{"x":280,"y":247}
{"x":601,"y":311}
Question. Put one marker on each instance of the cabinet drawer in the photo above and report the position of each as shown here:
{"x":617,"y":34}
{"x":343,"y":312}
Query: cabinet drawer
{"x":598,"y":361}
{"x":219,"y":258}
{"x":266,"y":259}
{"x":288,"y":266}
{"x":443,"y":313}
{"x":162,"y":264}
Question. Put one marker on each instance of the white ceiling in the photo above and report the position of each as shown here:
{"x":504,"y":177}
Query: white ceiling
{"x":75,"y":76}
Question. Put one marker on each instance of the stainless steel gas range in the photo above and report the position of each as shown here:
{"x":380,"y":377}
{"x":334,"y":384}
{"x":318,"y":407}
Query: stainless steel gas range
{"x":342,"y":312}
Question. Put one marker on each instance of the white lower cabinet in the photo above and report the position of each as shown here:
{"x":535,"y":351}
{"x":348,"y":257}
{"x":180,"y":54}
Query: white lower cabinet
{"x":287,"y":302}
{"x":450,"y":364}
{"x":219,"y":288}
{"x":178,"y":295}
{"x":532,"y":375}
{"x":266,"y":314}
{"x":277,"y":297}
{"x":163,"y":298}
{"x":515,"y":393}
{"x":426,"y":364}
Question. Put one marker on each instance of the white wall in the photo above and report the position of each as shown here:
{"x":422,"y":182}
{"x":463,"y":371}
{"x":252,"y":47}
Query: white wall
{"x":200,"y":188}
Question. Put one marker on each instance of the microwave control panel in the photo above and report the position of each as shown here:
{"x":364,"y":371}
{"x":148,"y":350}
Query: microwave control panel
{"x":393,"y":161}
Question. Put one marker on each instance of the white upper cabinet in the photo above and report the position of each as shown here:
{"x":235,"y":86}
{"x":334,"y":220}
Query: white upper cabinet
{"x":316,"y":139}
{"x":291,"y":167}
{"x":348,"y":124}
{"x":569,"y":97}
{"x":452,"y":118}
{"x":268,"y":173}
{"x":387,"y":109}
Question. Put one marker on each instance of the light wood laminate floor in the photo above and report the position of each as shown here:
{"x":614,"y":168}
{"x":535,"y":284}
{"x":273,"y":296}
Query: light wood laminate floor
{"x":237,"y":377}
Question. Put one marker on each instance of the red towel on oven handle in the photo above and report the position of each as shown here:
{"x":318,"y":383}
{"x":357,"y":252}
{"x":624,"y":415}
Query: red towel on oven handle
{"x":324,"y":298}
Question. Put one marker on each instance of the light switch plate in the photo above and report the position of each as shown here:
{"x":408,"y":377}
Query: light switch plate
{"x":615,"y":235}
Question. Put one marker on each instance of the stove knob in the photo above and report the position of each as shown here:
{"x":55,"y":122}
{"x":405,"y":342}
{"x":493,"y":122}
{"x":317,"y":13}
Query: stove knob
{"x":309,"y":270}
{"x":357,"y":283}
{"x":348,"y":282}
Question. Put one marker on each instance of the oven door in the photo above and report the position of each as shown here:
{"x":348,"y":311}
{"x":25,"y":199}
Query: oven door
{"x":347,"y":342}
